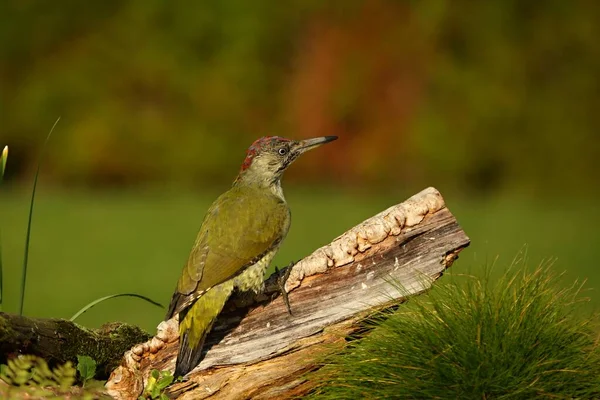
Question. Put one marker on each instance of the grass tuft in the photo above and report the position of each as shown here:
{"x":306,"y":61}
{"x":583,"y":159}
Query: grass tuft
{"x":522,"y":336}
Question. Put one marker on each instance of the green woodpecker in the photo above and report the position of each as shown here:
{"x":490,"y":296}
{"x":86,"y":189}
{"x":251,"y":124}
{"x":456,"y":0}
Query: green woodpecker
{"x":239,"y":236}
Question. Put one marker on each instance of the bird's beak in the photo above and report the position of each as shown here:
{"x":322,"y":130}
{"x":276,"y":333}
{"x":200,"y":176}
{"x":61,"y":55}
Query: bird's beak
{"x":305,"y":145}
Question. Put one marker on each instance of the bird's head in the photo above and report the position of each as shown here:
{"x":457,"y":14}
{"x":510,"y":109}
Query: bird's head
{"x":268,"y":157}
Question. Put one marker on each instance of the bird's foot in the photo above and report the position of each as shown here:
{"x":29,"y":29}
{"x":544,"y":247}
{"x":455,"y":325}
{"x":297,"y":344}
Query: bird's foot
{"x":282,"y":277}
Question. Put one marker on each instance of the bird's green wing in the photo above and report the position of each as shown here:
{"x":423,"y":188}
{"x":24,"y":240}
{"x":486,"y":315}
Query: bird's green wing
{"x":240,"y":227}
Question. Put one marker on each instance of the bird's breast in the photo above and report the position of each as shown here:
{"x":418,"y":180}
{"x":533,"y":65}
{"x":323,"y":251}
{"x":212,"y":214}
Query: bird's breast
{"x":253,"y":277}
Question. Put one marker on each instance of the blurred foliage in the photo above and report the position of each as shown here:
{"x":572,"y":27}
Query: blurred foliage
{"x":31,"y":370}
{"x":461,"y":95}
{"x":30,"y":377}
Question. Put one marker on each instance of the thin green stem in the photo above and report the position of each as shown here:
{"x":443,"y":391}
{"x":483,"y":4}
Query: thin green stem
{"x":29,"y":219}
{"x":3,"y":158}
{"x":112,"y":296}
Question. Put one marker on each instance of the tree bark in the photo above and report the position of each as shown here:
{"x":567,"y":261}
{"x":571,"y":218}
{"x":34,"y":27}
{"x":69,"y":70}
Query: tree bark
{"x":256,"y":350}
{"x":59,"y":340}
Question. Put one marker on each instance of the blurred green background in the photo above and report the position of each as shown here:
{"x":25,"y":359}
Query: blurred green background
{"x":494,"y":103}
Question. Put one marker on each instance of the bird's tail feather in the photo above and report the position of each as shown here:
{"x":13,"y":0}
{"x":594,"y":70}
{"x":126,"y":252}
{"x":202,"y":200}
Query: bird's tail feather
{"x":175,"y":301}
{"x":195,"y":324}
{"x":189,"y":356}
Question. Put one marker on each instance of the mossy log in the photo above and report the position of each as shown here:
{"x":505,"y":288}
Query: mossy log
{"x":256,"y":350}
{"x":59,"y":340}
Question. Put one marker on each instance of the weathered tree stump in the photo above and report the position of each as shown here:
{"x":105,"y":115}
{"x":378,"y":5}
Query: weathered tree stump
{"x":260,"y":352}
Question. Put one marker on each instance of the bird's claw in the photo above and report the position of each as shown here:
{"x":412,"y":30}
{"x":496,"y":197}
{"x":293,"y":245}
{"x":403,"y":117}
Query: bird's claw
{"x":281,"y":280}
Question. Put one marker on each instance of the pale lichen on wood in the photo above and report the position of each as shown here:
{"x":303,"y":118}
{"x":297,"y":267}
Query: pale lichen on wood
{"x":262,"y":352}
{"x":362,"y":237}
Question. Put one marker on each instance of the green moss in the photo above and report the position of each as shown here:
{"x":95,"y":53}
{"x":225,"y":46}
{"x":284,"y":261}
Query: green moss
{"x":105,"y":345}
{"x":6,"y":330}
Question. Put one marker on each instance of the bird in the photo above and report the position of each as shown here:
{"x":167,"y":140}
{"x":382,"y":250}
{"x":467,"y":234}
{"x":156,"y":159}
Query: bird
{"x":239,"y":236}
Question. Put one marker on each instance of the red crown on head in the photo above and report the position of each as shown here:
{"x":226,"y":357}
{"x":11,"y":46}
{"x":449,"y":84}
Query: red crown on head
{"x":258,"y":145}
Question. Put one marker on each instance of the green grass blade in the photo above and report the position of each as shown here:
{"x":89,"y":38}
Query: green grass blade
{"x":29,"y":219}
{"x":3,"y":158}
{"x":112,"y":296}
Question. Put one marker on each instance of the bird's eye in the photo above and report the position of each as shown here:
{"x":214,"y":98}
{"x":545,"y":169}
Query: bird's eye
{"x":282,"y":151}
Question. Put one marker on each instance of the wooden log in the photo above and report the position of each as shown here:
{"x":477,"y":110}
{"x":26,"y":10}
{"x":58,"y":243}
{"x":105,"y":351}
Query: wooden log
{"x":59,"y":340}
{"x":261,"y":352}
